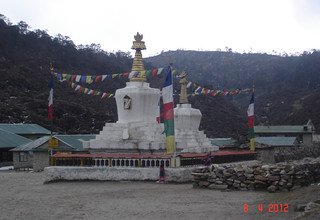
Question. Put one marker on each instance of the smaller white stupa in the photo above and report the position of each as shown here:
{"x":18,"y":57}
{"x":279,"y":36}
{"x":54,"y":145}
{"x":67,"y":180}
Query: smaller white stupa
{"x":187,"y":120}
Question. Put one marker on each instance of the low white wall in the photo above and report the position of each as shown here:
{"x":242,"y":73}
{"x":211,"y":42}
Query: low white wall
{"x":57,"y":173}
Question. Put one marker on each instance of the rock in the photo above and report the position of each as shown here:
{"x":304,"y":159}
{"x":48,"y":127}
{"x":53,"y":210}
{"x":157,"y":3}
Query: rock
{"x":248,"y":170}
{"x":251,"y":186}
{"x":242,"y":178}
{"x":215,"y":186}
{"x":317,"y":201}
{"x":249,"y":176}
{"x":272,"y":188}
{"x":243,"y":189}
{"x":259,"y":184}
{"x":236,"y":185}
{"x":282,"y":172}
{"x":312,"y":205}
{"x":275,"y":171}
{"x":195,"y":185}
{"x":265,"y":167}
{"x":273,"y":178}
{"x":237,"y":181}
{"x":204,"y":183}
{"x":260,"y":178}
{"x":243,"y":185}
{"x":300,"y":207}
{"x":285,"y":176}
{"x":248,"y":182}
{"x":284,"y":190}
{"x":218,"y":182}
{"x":282,"y":182}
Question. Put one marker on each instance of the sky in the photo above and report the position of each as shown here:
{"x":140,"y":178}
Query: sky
{"x":290,"y":26}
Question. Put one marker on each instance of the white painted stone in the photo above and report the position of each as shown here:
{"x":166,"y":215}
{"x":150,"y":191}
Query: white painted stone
{"x":136,"y":128}
{"x":59,"y":173}
{"x":187,"y":118}
{"x":144,"y":102}
{"x":187,"y":135}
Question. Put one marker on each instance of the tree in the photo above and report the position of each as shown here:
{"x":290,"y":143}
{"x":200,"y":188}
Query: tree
{"x":23,"y":27}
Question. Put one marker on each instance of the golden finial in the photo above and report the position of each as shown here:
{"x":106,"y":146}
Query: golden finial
{"x":183,"y":91}
{"x":137,"y":65}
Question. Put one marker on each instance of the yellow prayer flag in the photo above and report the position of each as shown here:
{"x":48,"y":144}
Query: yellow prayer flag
{"x":252,"y":144}
{"x":170,"y":141}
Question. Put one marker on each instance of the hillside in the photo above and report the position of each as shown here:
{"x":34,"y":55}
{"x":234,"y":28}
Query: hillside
{"x":25,"y":57}
{"x":287,"y":88}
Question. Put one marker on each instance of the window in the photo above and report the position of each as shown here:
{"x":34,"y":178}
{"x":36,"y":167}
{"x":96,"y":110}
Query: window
{"x":23,"y":157}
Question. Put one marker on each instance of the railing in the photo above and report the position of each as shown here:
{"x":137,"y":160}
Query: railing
{"x":109,"y":162}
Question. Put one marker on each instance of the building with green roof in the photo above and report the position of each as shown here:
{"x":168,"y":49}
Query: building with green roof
{"x":35,"y":154}
{"x":31,"y":131}
{"x":9,"y":141}
{"x":303,"y":133}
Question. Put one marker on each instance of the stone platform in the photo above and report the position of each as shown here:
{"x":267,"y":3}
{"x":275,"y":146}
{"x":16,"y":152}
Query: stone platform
{"x":132,"y":137}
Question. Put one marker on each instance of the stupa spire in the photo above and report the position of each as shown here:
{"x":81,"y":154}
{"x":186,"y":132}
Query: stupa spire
{"x":183,"y":91}
{"x":137,"y":65}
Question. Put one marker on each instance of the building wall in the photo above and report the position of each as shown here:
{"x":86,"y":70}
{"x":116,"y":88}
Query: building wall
{"x":17,"y":163}
{"x":307,"y":139}
{"x":281,"y":154}
{"x":40,"y":160}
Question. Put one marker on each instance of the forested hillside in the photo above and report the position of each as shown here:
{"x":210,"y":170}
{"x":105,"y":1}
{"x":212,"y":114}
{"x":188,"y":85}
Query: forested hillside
{"x":287,"y":88}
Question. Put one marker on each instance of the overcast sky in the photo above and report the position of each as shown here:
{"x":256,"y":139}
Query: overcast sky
{"x":243,"y":25}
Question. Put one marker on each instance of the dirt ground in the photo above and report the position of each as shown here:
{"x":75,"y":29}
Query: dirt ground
{"x":24,"y":196}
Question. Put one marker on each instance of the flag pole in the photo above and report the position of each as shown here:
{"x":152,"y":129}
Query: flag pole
{"x":50,"y":112}
{"x":250,"y":113}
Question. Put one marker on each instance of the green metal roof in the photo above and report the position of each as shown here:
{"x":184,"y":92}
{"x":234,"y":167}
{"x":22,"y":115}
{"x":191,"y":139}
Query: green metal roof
{"x":72,"y":141}
{"x":32,"y":145}
{"x":10,"y":140}
{"x":276,"y":141}
{"x":24,"y":129}
{"x":75,"y":141}
{"x":282,"y":129}
{"x":222,"y":141}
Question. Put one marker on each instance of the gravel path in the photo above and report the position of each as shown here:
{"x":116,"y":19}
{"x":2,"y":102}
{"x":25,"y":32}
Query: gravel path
{"x":24,"y":196}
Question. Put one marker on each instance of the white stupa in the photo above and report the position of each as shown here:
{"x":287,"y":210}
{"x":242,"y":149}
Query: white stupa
{"x":187,"y":120}
{"x":137,"y":105}
{"x":137,"y":130}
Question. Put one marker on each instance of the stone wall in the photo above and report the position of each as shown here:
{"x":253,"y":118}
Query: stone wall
{"x":17,"y":164}
{"x":59,"y":173}
{"x":282,"y":154}
{"x":295,"y":153}
{"x":274,"y":177}
{"x":40,"y":160}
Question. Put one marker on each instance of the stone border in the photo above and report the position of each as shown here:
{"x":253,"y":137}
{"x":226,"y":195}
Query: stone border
{"x":271,"y":177}
{"x":62,"y":173}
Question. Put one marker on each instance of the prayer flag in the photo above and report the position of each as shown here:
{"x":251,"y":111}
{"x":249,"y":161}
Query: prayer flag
{"x":168,"y":112}
{"x":154,"y":72}
{"x":98,"y":78}
{"x":73,"y":78}
{"x":250,"y":113}
{"x":159,"y":71}
{"x":78,"y":77}
{"x":103,"y":77}
{"x":50,"y":99}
